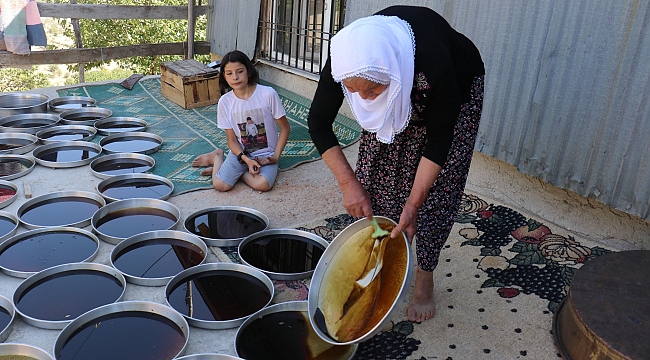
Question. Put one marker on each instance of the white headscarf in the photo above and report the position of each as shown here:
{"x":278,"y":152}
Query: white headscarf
{"x":380,"y":49}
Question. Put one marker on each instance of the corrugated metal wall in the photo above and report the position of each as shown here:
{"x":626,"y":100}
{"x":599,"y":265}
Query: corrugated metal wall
{"x":567,"y":90}
{"x":233,"y":25}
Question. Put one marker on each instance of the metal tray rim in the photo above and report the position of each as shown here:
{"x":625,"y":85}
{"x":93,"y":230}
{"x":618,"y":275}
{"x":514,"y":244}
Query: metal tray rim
{"x":56,"y":102}
{"x":325,"y":260}
{"x":25,"y":274}
{"x":101,"y":186}
{"x":132,"y":134}
{"x":92,"y":110}
{"x":23,"y":159}
{"x":152,"y":235}
{"x":209,"y":356}
{"x":225,"y":324}
{"x":55,"y":195}
{"x":11,"y":309}
{"x":63,"y":145}
{"x":275,"y":275}
{"x":44,"y":274}
{"x":58,"y":128}
{"x":14,"y":218}
{"x":41,"y":99}
{"x":224,"y":242}
{"x":24,"y":349}
{"x":11,"y":199}
{"x":120,"y":119}
{"x":130,"y":203}
{"x":115,"y":156}
{"x":19,"y":135}
{"x":124,"y":306}
{"x":32,"y":130}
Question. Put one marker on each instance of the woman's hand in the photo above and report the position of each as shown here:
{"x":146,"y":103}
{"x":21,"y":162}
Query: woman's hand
{"x":267,"y":160}
{"x":407,"y":222}
{"x":253,"y":166}
{"x":356,"y":199}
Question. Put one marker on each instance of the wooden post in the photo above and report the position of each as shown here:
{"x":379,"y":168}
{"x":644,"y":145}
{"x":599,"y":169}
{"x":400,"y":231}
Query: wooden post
{"x":191,"y":24}
{"x":77,"y":36}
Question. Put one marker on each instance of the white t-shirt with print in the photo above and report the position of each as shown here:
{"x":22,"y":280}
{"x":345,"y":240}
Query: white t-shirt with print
{"x":263,"y":108}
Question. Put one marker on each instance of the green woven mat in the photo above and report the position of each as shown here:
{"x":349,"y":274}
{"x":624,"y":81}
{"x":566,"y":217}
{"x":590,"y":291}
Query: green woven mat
{"x":188,"y":133}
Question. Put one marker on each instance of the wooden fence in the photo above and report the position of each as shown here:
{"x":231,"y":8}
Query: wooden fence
{"x":87,"y":11}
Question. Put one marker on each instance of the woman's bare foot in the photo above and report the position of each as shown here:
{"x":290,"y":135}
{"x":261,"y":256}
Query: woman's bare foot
{"x":206,"y":159}
{"x":423,"y":306}
{"x":206,"y":171}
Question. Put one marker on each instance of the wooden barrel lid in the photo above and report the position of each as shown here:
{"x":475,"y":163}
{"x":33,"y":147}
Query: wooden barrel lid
{"x":607,"y":311}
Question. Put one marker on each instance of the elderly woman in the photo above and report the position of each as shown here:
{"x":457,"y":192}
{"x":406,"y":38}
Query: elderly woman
{"x":415,"y":85}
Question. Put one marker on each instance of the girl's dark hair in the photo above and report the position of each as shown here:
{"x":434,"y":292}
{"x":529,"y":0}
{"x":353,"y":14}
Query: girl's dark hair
{"x":239,"y":57}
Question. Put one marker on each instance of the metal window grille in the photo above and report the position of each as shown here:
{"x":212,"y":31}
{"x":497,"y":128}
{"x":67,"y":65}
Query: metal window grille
{"x":296,"y":33}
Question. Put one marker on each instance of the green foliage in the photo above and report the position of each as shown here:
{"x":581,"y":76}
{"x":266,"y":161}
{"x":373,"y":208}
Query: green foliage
{"x":106,"y":33}
{"x":12,"y":80}
{"x":100,"y":75}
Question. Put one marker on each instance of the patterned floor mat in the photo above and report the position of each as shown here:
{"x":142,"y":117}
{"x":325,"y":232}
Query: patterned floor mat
{"x":188,"y":133}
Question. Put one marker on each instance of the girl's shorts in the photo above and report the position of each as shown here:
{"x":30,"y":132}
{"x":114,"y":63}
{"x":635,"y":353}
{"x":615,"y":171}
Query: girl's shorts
{"x":232,"y":170}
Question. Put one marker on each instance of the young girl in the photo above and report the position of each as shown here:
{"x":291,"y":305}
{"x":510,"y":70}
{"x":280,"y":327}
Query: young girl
{"x":248,"y":104}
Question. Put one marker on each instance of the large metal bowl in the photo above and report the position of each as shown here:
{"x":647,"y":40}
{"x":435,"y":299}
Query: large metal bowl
{"x":85,"y":116}
{"x":40,"y":237}
{"x":88,"y":290}
{"x":66,"y":154}
{"x":66,"y":103}
{"x":331,"y":253}
{"x":146,"y":240}
{"x":134,"y":209}
{"x":130,"y":186}
{"x":8,"y":230}
{"x":225,"y":225}
{"x":7,"y":324}
{"x":303,"y":343}
{"x":292,"y":256}
{"x":17,"y":143}
{"x":131,"y":142}
{"x":28,"y":123}
{"x":113,"y":125}
{"x":31,"y":352}
{"x":87,"y":203}
{"x":15,"y":166}
{"x":130,"y":339}
{"x":12,"y":188}
{"x":216,"y":269}
{"x":66,"y":133}
{"x":22,"y":103}
{"x":121,"y":164}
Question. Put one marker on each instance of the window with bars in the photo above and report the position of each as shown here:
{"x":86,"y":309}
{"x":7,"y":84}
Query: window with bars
{"x":296,"y":33}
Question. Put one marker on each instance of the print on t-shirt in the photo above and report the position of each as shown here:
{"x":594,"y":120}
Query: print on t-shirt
{"x":253,"y":131}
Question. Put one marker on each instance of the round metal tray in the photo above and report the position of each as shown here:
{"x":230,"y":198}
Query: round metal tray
{"x":66,"y":214}
{"x":131,"y":186}
{"x":40,"y":236}
{"x":216,"y":269}
{"x":217,"y":225}
{"x":66,"y":103}
{"x":110,"y":317}
{"x":60,"y":133}
{"x":131,"y":142}
{"x":62,"y":303}
{"x":15,"y":166}
{"x":321,"y":271}
{"x":32,"y":352}
{"x":66,"y":154}
{"x":28,"y":123}
{"x":208,"y":357}
{"x":8,"y":230}
{"x":22,"y":103}
{"x":152,"y":238}
{"x":7,"y":185}
{"x":121,"y":164}
{"x":292,"y":249}
{"x":134,"y":209}
{"x":17,"y":143}
{"x":113,"y":125}
{"x":8,"y":306}
{"x":304,"y":345}
{"x":86,"y":116}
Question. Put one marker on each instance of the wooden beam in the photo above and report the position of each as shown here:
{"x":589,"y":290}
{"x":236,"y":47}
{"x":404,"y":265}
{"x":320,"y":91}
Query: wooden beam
{"x":72,"y":56}
{"x":88,"y":11}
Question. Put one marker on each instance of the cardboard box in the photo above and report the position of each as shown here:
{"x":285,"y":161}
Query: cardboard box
{"x":189,"y":83}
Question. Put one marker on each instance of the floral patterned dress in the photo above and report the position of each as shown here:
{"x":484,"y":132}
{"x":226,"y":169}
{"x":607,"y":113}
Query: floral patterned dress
{"x":387,"y":171}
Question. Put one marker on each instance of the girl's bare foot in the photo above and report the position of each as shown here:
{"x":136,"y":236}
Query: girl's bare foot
{"x":206,"y":171}
{"x":422,"y":307}
{"x":206,"y":159}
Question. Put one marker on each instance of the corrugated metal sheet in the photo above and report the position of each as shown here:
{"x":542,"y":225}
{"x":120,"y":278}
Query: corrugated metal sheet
{"x":567,"y":90}
{"x":233,"y":25}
